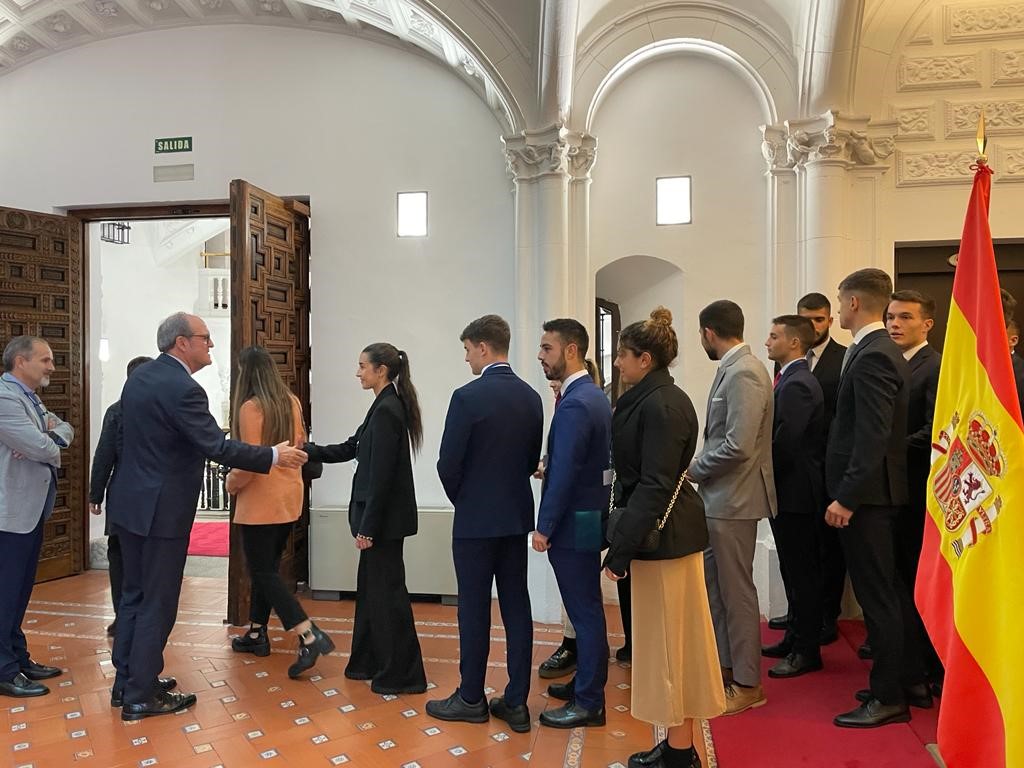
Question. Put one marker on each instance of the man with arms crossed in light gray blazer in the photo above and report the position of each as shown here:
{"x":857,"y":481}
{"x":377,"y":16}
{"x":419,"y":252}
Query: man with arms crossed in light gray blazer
{"x":30,"y":442}
{"x":736,"y":481}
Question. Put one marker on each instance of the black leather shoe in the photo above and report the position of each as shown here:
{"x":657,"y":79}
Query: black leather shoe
{"x":873,"y":714}
{"x":572,"y":716}
{"x":779,"y":622}
{"x":916,"y":695}
{"x":829,"y":634}
{"x":163,"y":683}
{"x":457,"y":709}
{"x":21,"y":687}
{"x":254,"y":641}
{"x":780,"y":650}
{"x":563,"y":691}
{"x":866,"y":651}
{"x":518,"y":718}
{"x":39,"y":671}
{"x":794,"y":665}
{"x":659,"y":757}
{"x":561,"y":663}
{"x":163,"y":703}
{"x":309,"y":653}
{"x":625,"y":653}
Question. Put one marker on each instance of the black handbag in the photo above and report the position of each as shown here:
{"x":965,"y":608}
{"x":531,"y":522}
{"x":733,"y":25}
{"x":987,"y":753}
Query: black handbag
{"x":650,"y":542}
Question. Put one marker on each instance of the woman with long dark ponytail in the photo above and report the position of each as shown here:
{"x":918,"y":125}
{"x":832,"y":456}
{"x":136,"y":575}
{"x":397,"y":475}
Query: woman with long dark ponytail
{"x":381,"y":514}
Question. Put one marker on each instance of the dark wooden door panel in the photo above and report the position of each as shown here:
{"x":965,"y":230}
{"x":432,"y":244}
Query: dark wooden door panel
{"x":270,"y":307}
{"x":41,"y":294}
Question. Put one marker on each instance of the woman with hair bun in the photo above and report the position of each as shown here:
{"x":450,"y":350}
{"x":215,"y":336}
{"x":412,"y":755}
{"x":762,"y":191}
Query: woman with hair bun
{"x":381,"y":514}
{"x":676,"y":676}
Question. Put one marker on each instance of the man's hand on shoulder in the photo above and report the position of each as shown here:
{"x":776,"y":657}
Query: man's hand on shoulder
{"x":290,"y":457}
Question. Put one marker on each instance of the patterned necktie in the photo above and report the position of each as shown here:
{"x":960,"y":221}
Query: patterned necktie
{"x":40,"y":408}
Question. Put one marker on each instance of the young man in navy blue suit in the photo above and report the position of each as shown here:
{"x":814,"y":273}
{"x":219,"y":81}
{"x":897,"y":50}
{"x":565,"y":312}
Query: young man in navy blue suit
{"x":569,"y":523}
{"x":798,"y":448}
{"x":489,"y":452}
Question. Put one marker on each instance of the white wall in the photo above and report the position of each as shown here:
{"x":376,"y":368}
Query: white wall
{"x":343,"y":120}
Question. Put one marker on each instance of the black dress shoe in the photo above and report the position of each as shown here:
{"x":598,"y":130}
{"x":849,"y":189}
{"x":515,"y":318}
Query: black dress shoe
{"x":163,"y":703}
{"x":625,"y":653}
{"x":563,"y":691}
{"x":780,"y":650}
{"x":917,"y":696}
{"x":310,"y":652}
{"x":518,"y":718}
{"x":873,"y":714}
{"x":163,"y":683}
{"x":457,"y":709}
{"x":35,"y":671}
{"x":660,"y":757}
{"x":794,"y":665}
{"x":561,"y":663}
{"x":572,"y":716}
{"x":829,"y":634}
{"x":779,"y":622}
{"x":866,"y":651}
{"x":254,"y":641}
{"x":22,"y":687}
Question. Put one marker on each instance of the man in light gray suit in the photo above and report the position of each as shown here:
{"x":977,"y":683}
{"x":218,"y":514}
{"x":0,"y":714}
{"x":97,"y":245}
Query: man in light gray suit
{"x":30,"y":442}
{"x":736,"y":481}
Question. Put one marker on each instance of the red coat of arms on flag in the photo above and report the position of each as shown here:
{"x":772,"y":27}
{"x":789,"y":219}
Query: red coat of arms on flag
{"x":962,"y":483}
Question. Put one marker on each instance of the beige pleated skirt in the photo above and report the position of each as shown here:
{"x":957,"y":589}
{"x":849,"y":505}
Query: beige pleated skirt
{"x":676,"y":672}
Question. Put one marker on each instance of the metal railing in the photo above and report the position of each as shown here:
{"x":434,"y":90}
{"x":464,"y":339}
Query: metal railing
{"x":213,"y":496}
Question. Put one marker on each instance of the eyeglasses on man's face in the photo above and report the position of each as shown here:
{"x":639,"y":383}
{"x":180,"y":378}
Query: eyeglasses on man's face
{"x":204,"y":336}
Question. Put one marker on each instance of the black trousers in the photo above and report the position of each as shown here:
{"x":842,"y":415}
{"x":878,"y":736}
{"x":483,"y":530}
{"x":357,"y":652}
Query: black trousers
{"x":153,"y":568}
{"x":384,"y":642}
{"x":17,"y":575}
{"x":116,"y":565}
{"x":889,"y":613}
{"x":909,"y":534}
{"x":478,"y":564}
{"x":626,"y":608}
{"x":796,"y":538}
{"x":263,"y":546}
{"x":833,"y":570}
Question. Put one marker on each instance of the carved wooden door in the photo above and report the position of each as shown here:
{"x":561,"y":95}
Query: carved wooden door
{"x":41,"y":295}
{"x":270,"y":307}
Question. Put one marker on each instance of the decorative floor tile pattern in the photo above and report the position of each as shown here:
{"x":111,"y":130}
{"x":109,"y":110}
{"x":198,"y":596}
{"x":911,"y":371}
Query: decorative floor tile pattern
{"x":249,"y":713}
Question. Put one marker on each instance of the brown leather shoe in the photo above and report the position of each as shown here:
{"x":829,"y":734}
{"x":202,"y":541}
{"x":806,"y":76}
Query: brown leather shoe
{"x":739,"y":699}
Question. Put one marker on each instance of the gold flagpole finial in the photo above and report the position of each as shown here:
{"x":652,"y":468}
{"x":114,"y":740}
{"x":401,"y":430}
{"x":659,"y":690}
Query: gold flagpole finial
{"x":982,"y":138}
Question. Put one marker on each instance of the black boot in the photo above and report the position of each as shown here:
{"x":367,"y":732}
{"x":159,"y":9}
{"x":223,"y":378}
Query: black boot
{"x":254,"y":641}
{"x":310,"y":652}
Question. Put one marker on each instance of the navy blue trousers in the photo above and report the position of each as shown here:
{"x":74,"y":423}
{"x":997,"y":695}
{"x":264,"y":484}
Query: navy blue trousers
{"x":478,"y":564}
{"x":17,"y":575}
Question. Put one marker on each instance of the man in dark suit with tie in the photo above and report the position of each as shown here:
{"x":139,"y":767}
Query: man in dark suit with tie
{"x":908,"y":319}
{"x":866,"y":478}
{"x":825,"y":359}
{"x":489,"y":452}
{"x":798,"y":448}
{"x":569,"y":523}
{"x":168,"y":432}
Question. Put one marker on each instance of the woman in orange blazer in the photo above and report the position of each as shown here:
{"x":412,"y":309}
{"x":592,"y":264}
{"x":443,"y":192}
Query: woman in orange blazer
{"x":265,"y":412}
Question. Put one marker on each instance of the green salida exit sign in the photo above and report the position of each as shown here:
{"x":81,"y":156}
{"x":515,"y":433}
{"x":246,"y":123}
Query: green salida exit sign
{"x":173,"y":144}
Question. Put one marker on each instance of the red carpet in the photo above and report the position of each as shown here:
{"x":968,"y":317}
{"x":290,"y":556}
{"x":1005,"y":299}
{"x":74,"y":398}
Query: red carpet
{"x":209,"y":539}
{"x":795,"y":728}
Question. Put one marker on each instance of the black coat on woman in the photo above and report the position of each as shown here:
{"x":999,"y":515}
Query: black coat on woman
{"x":654,"y":437}
{"x":383,"y":504}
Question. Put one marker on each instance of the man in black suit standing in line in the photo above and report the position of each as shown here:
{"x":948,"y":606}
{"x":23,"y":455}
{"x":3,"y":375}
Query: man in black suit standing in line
{"x":489,"y":451}
{"x":866,"y":477}
{"x":168,"y":431}
{"x":798,"y":449}
{"x":908,"y":319}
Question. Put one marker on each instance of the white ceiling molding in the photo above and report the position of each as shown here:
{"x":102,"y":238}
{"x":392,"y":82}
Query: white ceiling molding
{"x":32,"y":29}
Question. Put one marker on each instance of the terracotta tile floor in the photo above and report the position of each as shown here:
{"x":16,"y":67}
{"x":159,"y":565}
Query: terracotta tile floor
{"x":250,"y":714}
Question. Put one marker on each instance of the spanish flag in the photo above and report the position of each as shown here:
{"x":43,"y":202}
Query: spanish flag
{"x":971,"y":575}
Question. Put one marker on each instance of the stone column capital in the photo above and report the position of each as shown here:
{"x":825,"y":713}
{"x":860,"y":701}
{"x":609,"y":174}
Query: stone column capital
{"x":550,"y":151}
{"x":832,"y":138}
{"x":582,"y":155}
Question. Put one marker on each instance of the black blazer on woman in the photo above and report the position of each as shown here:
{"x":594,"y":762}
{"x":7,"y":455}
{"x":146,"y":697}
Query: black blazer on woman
{"x":654,"y":436}
{"x":383,"y":503}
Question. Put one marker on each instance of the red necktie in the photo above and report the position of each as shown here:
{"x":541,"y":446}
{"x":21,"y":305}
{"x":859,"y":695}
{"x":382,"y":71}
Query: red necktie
{"x":777,"y":377}
{"x":558,"y":398}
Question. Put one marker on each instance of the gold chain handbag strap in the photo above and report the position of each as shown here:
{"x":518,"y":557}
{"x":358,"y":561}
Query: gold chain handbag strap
{"x":671,"y":504}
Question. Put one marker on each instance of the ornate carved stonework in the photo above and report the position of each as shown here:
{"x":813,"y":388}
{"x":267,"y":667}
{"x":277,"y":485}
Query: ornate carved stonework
{"x":833,"y":137}
{"x":530,"y":161}
{"x":984,"y":22}
{"x":914,"y":122}
{"x":1009,"y":164}
{"x":582,"y":155}
{"x":930,"y":72}
{"x":932,"y":168}
{"x":420,"y":25}
{"x":1001,"y":117}
{"x":1008,"y":67}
